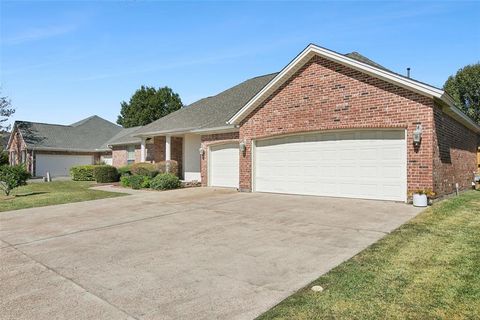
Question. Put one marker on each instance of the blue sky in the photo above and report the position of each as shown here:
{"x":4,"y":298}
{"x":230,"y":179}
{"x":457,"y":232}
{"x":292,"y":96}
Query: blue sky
{"x":62,"y":61}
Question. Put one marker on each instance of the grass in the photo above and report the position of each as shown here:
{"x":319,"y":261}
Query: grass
{"x":427,"y":269}
{"x":56,"y":192}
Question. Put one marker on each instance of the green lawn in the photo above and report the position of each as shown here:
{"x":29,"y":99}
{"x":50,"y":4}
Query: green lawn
{"x":56,"y":192}
{"x":427,"y":269}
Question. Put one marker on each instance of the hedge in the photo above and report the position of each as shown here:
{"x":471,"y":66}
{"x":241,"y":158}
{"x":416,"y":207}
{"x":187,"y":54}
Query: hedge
{"x":165,"y":181}
{"x":105,"y":173}
{"x":125,"y":170}
{"x":82,"y":173}
{"x":144,"y":169}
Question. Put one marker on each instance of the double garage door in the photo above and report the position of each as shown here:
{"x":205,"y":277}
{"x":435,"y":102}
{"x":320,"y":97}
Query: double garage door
{"x":58,"y":165}
{"x":369,"y":164}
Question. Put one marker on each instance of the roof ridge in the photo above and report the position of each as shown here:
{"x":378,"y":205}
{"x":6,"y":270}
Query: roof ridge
{"x":43,"y":123}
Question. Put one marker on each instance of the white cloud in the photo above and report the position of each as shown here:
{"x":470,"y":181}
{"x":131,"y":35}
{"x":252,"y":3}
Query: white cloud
{"x":39,"y":33}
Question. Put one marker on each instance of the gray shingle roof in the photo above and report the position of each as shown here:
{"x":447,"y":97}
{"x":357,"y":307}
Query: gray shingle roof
{"x":124,"y":137}
{"x":89,"y":134}
{"x":211,"y":112}
{"x":357,"y":56}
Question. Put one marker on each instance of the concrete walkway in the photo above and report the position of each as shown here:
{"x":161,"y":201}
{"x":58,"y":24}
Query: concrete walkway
{"x":198,"y":253}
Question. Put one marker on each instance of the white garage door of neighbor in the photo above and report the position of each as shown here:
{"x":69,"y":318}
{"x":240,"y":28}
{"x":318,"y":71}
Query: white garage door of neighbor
{"x":58,"y":165}
{"x":368,"y":164}
{"x":224,"y":165}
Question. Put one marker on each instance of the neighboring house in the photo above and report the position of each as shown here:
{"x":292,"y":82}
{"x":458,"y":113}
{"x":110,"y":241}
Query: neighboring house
{"x":328,"y":124}
{"x":54,"y":148}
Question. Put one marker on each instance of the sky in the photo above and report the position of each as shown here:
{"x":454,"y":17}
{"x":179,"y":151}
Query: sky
{"x":63,"y":61}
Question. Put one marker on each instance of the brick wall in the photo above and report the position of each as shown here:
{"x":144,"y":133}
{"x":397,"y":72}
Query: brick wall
{"x":455,"y":149}
{"x":155,"y":152}
{"x":324,"y":95}
{"x":211,"y":139}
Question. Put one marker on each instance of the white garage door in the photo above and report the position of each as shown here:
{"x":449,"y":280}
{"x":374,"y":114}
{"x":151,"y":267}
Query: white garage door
{"x":58,"y":165}
{"x":224,"y":165}
{"x":355,"y":164}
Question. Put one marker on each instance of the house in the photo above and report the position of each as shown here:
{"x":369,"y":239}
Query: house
{"x":327,"y":124}
{"x":54,"y":148}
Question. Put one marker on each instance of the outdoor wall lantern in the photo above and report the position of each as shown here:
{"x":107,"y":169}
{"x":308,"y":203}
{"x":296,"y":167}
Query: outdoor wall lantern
{"x":243,"y":147}
{"x":201,"y":151}
{"x":417,"y":135}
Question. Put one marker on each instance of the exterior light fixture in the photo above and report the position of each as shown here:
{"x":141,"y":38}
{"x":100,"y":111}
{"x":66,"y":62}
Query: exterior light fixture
{"x":243,"y":146}
{"x":417,"y":135}
{"x":201,"y":151}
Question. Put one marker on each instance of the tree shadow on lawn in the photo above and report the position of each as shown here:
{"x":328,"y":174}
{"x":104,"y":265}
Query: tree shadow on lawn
{"x":27,"y":194}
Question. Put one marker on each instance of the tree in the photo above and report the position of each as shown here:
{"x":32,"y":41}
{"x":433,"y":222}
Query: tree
{"x":464,"y":87}
{"x":12,"y":177}
{"x":6,"y":111}
{"x":147,"y":105}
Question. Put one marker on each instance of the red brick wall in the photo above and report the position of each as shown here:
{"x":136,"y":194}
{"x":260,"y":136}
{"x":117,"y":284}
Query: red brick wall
{"x":155,"y":152}
{"x":455,"y":149}
{"x":324,"y":95}
{"x":211,"y":139}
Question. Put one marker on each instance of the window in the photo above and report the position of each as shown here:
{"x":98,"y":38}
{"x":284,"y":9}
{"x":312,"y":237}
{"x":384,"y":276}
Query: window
{"x":24,"y":156}
{"x":130,"y":154}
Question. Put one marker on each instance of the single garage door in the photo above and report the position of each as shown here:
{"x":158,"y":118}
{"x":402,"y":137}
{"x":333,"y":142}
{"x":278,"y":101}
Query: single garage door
{"x":58,"y":165}
{"x":368,"y":164}
{"x":224,"y":165}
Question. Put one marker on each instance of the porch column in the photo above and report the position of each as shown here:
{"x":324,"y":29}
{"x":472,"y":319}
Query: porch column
{"x":143,"y":150}
{"x":168,"y":151}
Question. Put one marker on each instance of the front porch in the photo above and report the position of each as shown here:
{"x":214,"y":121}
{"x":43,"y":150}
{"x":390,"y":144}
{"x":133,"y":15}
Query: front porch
{"x":182,"y":148}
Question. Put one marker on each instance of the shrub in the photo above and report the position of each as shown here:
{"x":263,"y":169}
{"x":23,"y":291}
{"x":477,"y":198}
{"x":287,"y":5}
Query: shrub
{"x":12,"y":177}
{"x":135,"y":182}
{"x":125,"y":171}
{"x":144,"y":169}
{"x":171,"y":164}
{"x":165,"y":181}
{"x":105,"y":173}
{"x":125,"y":181}
{"x":3,"y":157}
{"x":82,"y":173}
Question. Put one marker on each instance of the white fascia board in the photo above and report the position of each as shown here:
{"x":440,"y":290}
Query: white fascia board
{"x":223,"y":129}
{"x":312,"y":50}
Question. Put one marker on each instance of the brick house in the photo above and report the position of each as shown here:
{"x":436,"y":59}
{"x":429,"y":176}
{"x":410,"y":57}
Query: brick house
{"x":53,"y":148}
{"x":328,"y":124}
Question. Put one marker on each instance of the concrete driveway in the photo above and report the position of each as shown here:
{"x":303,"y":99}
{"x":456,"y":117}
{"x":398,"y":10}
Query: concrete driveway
{"x":199,"y":253}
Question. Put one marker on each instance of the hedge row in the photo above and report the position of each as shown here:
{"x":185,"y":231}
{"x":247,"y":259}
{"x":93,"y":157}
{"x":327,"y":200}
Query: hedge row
{"x":99,"y":173}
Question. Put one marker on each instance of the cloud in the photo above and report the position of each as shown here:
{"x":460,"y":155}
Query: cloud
{"x":35,"y":34}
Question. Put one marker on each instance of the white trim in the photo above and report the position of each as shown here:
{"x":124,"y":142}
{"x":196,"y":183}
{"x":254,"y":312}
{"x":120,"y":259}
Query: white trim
{"x":406,"y":165}
{"x":313,"y":50}
{"x":222,"y":129}
{"x":252,"y":164}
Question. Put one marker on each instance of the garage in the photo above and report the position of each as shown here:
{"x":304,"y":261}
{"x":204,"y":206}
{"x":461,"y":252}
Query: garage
{"x":368,"y":164}
{"x":59,"y":165}
{"x":224,"y":165}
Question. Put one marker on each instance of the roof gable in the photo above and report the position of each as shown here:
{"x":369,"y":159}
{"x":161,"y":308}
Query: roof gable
{"x":357,"y":62}
{"x":89,"y":134}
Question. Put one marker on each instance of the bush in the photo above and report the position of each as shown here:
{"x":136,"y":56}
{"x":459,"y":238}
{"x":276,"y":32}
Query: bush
{"x":135,"y":182}
{"x":3,"y":157}
{"x":105,"y":173}
{"x":125,"y":181}
{"x":125,"y":171}
{"x":82,"y":173}
{"x":144,"y":169}
{"x":12,"y":177}
{"x":165,"y":181}
{"x":171,"y":164}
